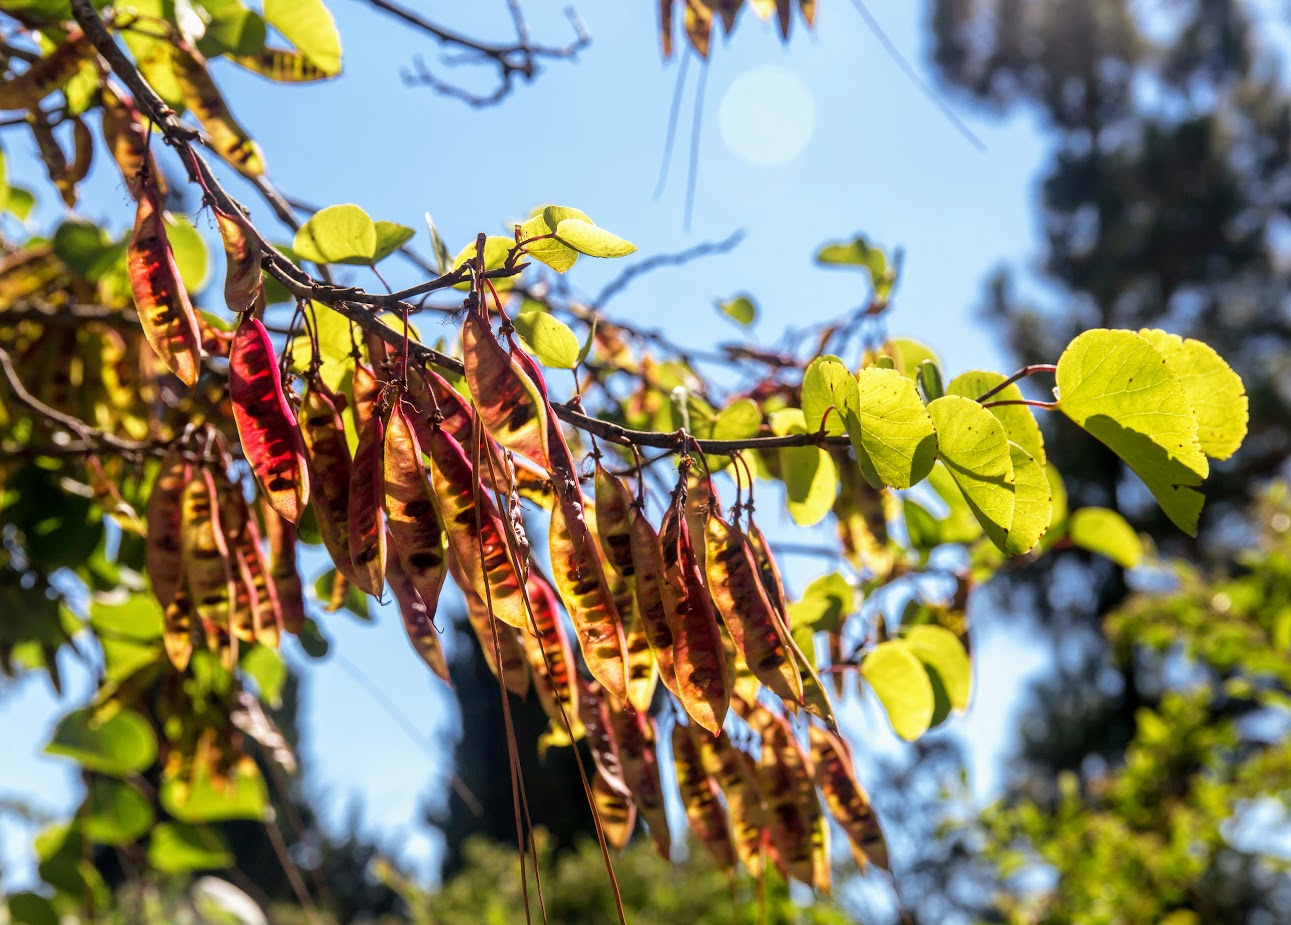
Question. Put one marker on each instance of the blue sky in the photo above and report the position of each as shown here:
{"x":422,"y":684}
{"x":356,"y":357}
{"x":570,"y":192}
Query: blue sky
{"x":853,"y":145}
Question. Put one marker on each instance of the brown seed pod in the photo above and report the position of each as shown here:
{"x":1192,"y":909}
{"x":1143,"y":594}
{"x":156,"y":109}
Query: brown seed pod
{"x":365,"y":518}
{"x":745,"y":804}
{"x":794,"y":810}
{"x":203,"y":97}
{"x":418,"y":619}
{"x":282,"y":567}
{"x":614,"y":520}
{"x":45,"y":75}
{"x":207,"y":563}
{"x":323,"y":437}
{"x":700,"y":796}
{"x":847,"y":799}
{"x":412,"y":515}
{"x":177,"y":636}
{"x":285,"y":65}
{"x":618,"y":814}
{"x":652,"y":617}
{"x":508,"y":402}
{"x":551,"y":659}
{"x":127,"y":138}
{"x":507,"y":647}
{"x":636,"y":735}
{"x":163,"y":553}
{"x":243,"y":284}
{"x":742,"y":603}
{"x":243,"y":538}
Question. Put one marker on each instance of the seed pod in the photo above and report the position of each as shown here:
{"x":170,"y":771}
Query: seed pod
{"x":700,"y":797}
{"x":580,"y":579}
{"x":282,"y":568}
{"x":338,"y":592}
{"x":266,"y":424}
{"x":82,"y":160}
{"x":703,"y":673}
{"x":243,"y":283}
{"x":367,"y":392}
{"x":207,"y":566}
{"x":475,"y":531}
{"x":243,"y":539}
{"x":745,"y":805}
{"x":643,"y":674}
{"x":418,"y":619}
{"x":284,"y":65}
{"x":163,"y":553}
{"x":508,"y":402}
{"x":323,"y":436}
{"x":242,"y":605}
{"x":785,"y":777}
{"x":614,"y":520}
{"x":652,"y":617}
{"x":550,"y":657}
{"x":46,"y":75}
{"x":595,"y":714}
{"x":367,"y":532}
{"x":617,"y":812}
{"x":203,"y":97}
{"x":177,"y":635}
{"x":814,"y":697}
{"x":636,"y":735}
{"x":411,"y":514}
{"x":127,"y":139}
{"x":438,"y":403}
{"x":507,"y":644}
{"x":742,"y":603}
{"x":847,"y":799}
{"x":159,"y":294}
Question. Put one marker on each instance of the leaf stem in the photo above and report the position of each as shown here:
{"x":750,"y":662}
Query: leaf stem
{"x":1020,"y":374}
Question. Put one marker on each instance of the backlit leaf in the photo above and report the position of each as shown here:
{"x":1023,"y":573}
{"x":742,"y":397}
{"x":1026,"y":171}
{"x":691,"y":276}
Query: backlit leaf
{"x":1216,"y":392}
{"x":740,"y":309}
{"x":901,"y":683}
{"x":120,"y":745}
{"x":889,"y":429}
{"x":974,"y":448}
{"x":240,"y":795}
{"x":592,"y":240}
{"x":390,"y":237}
{"x":827,"y":384}
{"x":1033,"y":504}
{"x":177,"y":848}
{"x":114,"y":812}
{"x":809,"y":472}
{"x":942,"y":653}
{"x":337,"y":234}
{"x":1117,"y":386}
{"x":1105,"y":532}
{"x":309,"y":26}
{"x":1018,"y":420}
{"x":553,"y":252}
{"x":550,"y":339}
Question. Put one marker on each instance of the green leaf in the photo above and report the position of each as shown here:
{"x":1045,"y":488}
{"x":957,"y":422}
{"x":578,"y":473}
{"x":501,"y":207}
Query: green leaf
{"x":122,"y":744}
{"x":1106,"y":533}
{"x":1033,"y":503}
{"x":266,"y":667}
{"x":31,"y":909}
{"x":356,"y":602}
{"x":553,"y":252}
{"x":972,"y":444}
{"x":82,"y":246}
{"x":309,"y":26}
{"x":1216,"y":392}
{"x":124,"y":657}
{"x":242,"y":795}
{"x":929,"y":379}
{"x":827,"y":384}
{"x":944,"y":658}
{"x":390,"y":237}
{"x":824,"y":605}
{"x":232,"y":29}
{"x":549,"y":338}
{"x":739,"y":420}
{"x":860,"y":253}
{"x":907,"y":355}
{"x":741,"y":309}
{"x":496,"y":251}
{"x":153,"y":53}
{"x":1119,"y":388}
{"x":586,"y":349}
{"x":312,"y":640}
{"x":592,"y":240}
{"x":443,"y":258}
{"x":176,"y":848}
{"x":809,"y":472}
{"x":138,"y":616}
{"x":1018,"y":420}
{"x":552,"y":216}
{"x":901,"y":683}
{"x":924,"y":529}
{"x":959,"y":525}
{"x":337,"y":234}
{"x":114,"y":812}
{"x":890,"y":430}
{"x":20,"y":202}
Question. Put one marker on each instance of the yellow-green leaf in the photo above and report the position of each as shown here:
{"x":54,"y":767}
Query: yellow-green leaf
{"x":552,"y":251}
{"x":890,"y":430}
{"x":972,"y":444}
{"x":901,"y":683}
{"x":337,"y":234}
{"x":827,"y":388}
{"x":1018,"y":420}
{"x":1216,"y":392}
{"x":177,"y":848}
{"x":1107,"y":533}
{"x":122,"y":744}
{"x":944,"y":658}
{"x":1033,"y":504}
{"x":550,"y":339}
{"x":309,"y":26}
{"x":592,"y":240}
{"x":740,"y":309}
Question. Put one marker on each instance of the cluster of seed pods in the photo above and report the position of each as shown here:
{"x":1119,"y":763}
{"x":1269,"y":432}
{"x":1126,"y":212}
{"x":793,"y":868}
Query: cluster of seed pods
{"x":434,"y":488}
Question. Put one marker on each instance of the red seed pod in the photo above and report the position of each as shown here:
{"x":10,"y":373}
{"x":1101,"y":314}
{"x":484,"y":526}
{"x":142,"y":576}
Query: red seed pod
{"x":418,"y":619}
{"x":243,"y":538}
{"x":323,"y":436}
{"x":847,"y":799}
{"x":266,"y":424}
{"x":506,"y":647}
{"x":163,"y":553}
{"x":636,"y":736}
{"x":282,"y":568}
{"x":745,"y":804}
{"x":617,"y":812}
{"x":475,"y":531}
{"x":699,"y":795}
{"x":46,"y":74}
{"x":614,"y":520}
{"x":702,"y":670}
{"x":508,"y":402}
{"x":367,"y":532}
{"x":127,"y":139}
{"x":177,"y":635}
{"x":551,"y":659}
{"x":438,"y":403}
{"x":742,"y":603}
{"x":207,"y":563}
{"x":652,"y":616}
{"x":412,"y":516}
{"x":786,"y":779}
{"x":242,"y":281}
{"x":814,"y":697}
{"x":159,"y":294}
{"x":367,"y":392}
